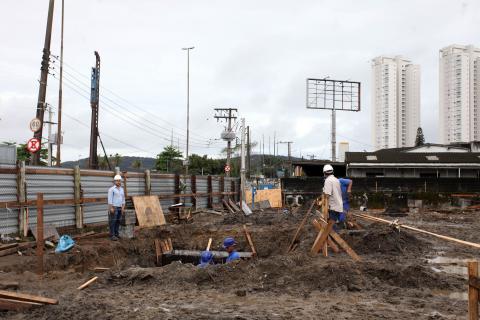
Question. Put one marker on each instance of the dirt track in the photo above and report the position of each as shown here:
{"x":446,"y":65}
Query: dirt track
{"x":395,"y":280}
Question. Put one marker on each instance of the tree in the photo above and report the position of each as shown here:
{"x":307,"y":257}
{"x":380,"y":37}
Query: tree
{"x":24,"y":155}
{"x":420,"y":139}
{"x":137,"y":164}
{"x":116,"y":159}
{"x":169,"y":160}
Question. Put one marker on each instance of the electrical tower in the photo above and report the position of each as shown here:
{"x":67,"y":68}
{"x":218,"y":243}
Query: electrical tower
{"x":227,"y":114}
{"x":42,"y":92}
{"x":94,"y":99}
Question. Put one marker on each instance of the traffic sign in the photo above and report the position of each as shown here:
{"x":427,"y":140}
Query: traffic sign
{"x":33,"y":145}
{"x":35,"y":124}
{"x":227,"y":168}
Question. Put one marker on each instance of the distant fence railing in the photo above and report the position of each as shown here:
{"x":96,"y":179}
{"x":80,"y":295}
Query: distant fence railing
{"x":312,"y":185}
{"x":78,"y":198}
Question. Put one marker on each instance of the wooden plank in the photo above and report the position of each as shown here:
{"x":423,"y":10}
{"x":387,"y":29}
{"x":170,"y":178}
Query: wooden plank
{"x":300,"y":227}
{"x":170,"y":244}
{"x":158,"y":251}
{"x":149,"y":211}
{"x":26,"y":297}
{"x":233,"y":205}
{"x":467,"y":243}
{"x":100,"y":269}
{"x":249,"y":239}
{"x":472,"y":281}
{"x":322,"y":238}
{"x":209,"y":244}
{"x":86,"y":284}
{"x":225,"y":203}
{"x":344,"y":245}
{"x":21,"y":246}
{"x":330,"y":242}
{"x":16,"y":305}
{"x":8,"y":246}
{"x":472,"y":291}
{"x":274,"y":196}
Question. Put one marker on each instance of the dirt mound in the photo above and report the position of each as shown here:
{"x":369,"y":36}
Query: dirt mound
{"x":386,"y":240}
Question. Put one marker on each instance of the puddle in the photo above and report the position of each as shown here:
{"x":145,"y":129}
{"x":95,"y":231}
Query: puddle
{"x":450,"y":265}
{"x":458,"y":295}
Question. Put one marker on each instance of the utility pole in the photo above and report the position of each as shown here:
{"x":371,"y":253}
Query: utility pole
{"x":289,"y":143}
{"x":94,"y":100}
{"x":334,"y":135}
{"x":274,"y":143}
{"x":188,"y":107}
{"x":242,"y":163}
{"x":248,"y":153}
{"x":60,"y":94}
{"x":228,"y":114}
{"x":42,"y":92}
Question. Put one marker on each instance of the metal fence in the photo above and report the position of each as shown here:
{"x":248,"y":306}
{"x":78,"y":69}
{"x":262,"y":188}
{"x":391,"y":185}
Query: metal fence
{"x":77,"y":198}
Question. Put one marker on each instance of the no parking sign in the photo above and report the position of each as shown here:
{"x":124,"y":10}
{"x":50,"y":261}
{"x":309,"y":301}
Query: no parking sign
{"x":33,"y":145}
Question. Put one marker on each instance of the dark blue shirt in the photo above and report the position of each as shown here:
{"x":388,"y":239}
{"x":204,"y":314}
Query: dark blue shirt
{"x":344,"y":182}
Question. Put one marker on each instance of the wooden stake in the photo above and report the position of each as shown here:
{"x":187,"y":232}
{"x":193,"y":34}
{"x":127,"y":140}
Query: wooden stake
{"x":40,"y":233}
{"x":332,"y":245}
{"x":325,"y":216}
{"x":86,"y":284}
{"x":322,"y":236}
{"x":158,"y":251}
{"x":16,"y":305}
{"x":209,"y":244}
{"x":300,"y":227}
{"x":472,"y":291}
{"x":249,"y":239}
{"x":170,"y":243}
{"x":340,"y":242}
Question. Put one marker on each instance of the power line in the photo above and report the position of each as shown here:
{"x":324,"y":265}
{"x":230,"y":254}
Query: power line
{"x":142,"y":122}
{"x":121,"y":98}
{"x":111,"y":110}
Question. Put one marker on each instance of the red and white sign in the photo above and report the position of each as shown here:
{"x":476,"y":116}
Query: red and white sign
{"x":33,"y":145}
{"x":227,"y":168}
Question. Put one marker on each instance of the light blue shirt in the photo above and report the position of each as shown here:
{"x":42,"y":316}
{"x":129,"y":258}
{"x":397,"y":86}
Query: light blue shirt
{"x":116,"y":196}
{"x":233,"y":256}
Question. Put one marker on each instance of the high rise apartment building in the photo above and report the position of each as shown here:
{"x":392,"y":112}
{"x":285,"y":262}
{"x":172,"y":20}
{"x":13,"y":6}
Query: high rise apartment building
{"x":395,"y":102}
{"x":459,"y":89}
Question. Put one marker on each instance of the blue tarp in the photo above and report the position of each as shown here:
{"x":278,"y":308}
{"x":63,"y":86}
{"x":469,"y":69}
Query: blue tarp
{"x":64,"y":244}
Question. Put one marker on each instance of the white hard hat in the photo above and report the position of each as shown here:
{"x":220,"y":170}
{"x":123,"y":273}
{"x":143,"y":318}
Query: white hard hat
{"x":118,"y":177}
{"x":327,"y":168}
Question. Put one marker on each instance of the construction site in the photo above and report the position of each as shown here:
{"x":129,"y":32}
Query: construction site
{"x":133,"y":204}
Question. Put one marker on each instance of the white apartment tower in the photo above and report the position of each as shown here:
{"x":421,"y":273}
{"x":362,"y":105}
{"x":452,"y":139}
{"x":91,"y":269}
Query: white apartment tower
{"x":395,"y":101}
{"x":459,"y":94}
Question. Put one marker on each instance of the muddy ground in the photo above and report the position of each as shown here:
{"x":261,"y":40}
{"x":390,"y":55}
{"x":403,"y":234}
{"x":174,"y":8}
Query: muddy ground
{"x":403,"y":275}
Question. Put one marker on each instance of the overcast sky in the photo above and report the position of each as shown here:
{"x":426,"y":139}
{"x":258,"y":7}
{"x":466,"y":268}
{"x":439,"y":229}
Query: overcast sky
{"x":251,"y":55}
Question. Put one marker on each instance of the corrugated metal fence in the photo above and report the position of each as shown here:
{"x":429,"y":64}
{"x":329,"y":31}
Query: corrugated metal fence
{"x":58,"y":188}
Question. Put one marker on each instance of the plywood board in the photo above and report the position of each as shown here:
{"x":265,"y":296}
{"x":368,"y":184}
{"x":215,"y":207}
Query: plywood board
{"x":274,"y":196}
{"x":149,"y":211}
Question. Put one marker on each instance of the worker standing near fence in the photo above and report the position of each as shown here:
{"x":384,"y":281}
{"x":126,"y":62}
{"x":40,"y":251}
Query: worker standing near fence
{"x":116,"y":206}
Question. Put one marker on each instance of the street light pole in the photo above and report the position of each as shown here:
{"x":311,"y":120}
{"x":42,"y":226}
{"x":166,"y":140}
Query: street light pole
{"x":188,"y":106}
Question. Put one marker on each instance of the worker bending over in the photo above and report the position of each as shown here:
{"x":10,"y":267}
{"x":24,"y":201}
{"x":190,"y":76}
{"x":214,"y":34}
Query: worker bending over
{"x":346,"y":186}
{"x":206,"y":259}
{"x":333,"y":195}
{"x":229,"y":245}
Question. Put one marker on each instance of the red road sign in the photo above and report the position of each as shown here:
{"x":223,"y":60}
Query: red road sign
{"x":33,"y":145}
{"x":227,"y":168}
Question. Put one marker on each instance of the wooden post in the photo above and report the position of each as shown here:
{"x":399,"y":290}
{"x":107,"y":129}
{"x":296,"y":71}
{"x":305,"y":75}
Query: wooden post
{"x":472,"y":291}
{"x":177,"y":187}
{"x":77,"y":197}
{"x":193,"y":187}
{"x":209,"y":191}
{"x":325,"y":216}
{"x":40,"y":233}
{"x":148,"y":183}
{"x":222,"y":188}
{"x":22,"y":197}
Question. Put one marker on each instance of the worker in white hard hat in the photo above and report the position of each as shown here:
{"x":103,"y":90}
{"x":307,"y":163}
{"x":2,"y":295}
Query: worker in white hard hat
{"x":333,"y":194}
{"x":116,"y":206}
